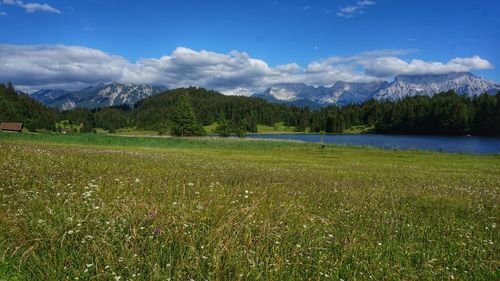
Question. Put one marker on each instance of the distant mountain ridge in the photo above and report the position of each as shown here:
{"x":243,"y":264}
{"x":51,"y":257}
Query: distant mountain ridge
{"x":342,"y":93}
{"x":112,"y":94}
{"x":297,"y":94}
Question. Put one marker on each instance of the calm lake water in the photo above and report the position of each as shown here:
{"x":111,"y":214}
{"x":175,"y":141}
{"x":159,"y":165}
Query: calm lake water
{"x":483,"y":145}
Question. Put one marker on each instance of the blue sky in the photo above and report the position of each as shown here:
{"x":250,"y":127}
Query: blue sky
{"x":256,"y":42}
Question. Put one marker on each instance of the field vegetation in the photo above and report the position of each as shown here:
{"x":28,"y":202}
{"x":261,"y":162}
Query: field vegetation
{"x":100,"y":207}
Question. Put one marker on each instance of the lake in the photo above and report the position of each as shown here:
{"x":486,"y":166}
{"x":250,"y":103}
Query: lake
{"x":482,"y":145}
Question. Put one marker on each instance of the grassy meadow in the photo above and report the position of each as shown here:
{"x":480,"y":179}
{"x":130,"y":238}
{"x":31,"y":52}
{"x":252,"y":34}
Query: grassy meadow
{"x":278,"y":128}
{"x":98,"y":207}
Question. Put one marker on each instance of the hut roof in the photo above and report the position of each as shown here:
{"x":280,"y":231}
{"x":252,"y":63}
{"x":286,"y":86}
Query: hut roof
{"x":15,"y":127}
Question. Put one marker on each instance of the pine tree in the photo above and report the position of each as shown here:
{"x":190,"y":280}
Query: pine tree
{"x":184,"y":123}
{"x":223,"y":128}
{"x":330,"y":125}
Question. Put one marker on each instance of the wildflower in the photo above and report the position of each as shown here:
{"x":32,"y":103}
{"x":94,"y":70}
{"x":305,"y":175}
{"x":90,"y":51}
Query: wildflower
{"x":70,"y":232}
{"x":157,"y":230}
{"x":137,"y":180}
{"x":190,"y":184}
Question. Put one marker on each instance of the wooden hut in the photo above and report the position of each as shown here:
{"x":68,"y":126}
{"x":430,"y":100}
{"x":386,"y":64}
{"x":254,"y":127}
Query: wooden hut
{"x":11,"y":127}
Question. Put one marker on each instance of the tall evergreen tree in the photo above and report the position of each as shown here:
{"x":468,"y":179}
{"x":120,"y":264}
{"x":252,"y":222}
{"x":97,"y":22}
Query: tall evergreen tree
{"x":184,"y":123}
{"x":223,"y":128}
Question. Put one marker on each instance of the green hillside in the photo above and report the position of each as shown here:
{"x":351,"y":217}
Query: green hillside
{"x":20,"y":108}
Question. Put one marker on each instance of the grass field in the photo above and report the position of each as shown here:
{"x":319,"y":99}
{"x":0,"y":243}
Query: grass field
{"x":97,"y":207}
{"x":278,"y":128}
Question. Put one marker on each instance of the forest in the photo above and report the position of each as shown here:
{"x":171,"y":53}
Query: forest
{"x":443,"y":114}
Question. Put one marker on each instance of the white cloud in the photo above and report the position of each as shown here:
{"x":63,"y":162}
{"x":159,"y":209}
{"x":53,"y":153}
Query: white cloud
{"x":70,"y":67}
{"x":352,"y":10}
{"x":391,"y":66}
{"x":3,"y":14}
{"x":57,"y":64}
{"x":32,"y":7}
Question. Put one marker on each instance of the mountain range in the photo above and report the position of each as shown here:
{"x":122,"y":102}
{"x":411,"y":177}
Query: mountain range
{"x":342,"y":93}
{"x":102,"y":95}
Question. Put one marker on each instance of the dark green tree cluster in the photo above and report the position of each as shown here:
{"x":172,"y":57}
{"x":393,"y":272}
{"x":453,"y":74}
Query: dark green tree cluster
{"x":225,"y":129}
{"x":443,"y":114}
{"x":17,"y":107}
{"x":209,"y":106}
{"x":184,"y":123}
{"x":184,"y":111}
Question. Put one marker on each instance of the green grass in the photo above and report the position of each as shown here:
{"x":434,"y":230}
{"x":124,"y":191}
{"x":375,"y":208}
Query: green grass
{"x":135,"y":132}
{"x":210,"y":128}
{"x":64,"y":124}
{"x":361,"y":129}
{"x":87,"y":207}
{"x":278,"y":128}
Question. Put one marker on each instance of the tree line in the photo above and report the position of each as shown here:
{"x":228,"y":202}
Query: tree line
{"x":185,"y":111}
{"x":15,"y":107}
{"x":443,"y":114}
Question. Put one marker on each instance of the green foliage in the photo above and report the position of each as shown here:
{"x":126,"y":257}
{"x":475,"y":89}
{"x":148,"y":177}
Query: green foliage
{"x":240,"y":132}
{"x":208,"y":107}
{"x":111,"y":119}
{"x":223,"y":128}
{"x":184,"y":123}
{"x":226,"y":209}
{"x":16,"y":107}
{"x":443,"y":114}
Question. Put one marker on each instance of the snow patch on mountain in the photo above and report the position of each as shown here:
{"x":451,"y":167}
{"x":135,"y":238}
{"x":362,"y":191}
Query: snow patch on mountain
{"x":463,"y":83}
{"x":342,"y":93}
{"x":101,"y":95}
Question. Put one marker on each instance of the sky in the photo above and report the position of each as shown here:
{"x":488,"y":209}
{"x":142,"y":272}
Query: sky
{"x":242,"y":47}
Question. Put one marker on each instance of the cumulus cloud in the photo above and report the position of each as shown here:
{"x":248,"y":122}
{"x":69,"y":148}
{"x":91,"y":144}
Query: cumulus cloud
{"x":32,"y":7}
{"x":57,"y":64}
{"x":391,"y":66}
{"x":71,"y":67}
{"x":357,"y":9}
{"x":186,"y":67}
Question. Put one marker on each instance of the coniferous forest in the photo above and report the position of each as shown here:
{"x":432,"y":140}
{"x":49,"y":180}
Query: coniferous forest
{"x":443,"y":114}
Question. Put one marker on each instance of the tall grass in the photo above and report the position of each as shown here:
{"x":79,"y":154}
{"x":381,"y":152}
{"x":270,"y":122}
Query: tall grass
{"x":154,"y":142}
{"x":177,"y":209}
